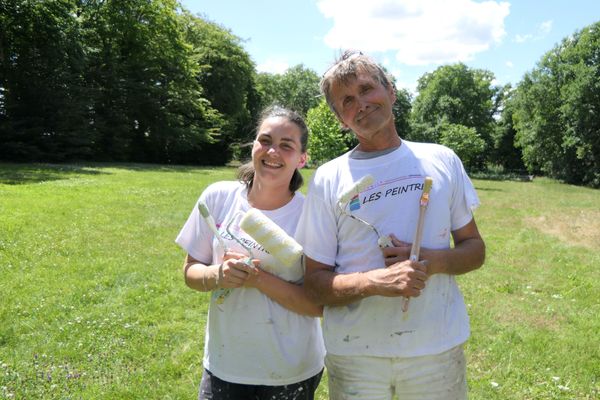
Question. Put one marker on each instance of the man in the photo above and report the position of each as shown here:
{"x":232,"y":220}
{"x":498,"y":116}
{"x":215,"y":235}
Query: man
{"x":375,"y":350}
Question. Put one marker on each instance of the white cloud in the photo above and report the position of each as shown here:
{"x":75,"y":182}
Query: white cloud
{"x":509,"y":64}
{"x":273,"y":66}
{"x":542,"y":30}
{"x":421,"y":32}
{"x":545,"y":27}
{"x":522,"y":38}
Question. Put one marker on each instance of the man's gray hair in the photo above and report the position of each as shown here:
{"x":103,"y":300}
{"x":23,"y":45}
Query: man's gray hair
{"x":346,"y":68}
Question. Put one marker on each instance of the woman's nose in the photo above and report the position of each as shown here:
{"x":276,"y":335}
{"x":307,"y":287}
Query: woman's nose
{"x":272,"y":149}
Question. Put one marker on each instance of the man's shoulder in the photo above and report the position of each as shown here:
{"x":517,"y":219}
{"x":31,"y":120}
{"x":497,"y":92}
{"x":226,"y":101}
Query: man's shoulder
{"x":428,"y":148}
{"x":332,"y":165}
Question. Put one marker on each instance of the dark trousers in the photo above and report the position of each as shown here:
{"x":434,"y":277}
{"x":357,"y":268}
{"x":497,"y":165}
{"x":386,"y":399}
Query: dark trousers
{"x":213,"y":388}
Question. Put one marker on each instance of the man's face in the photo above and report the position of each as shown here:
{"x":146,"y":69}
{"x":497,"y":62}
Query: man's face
{"x":364,"y":105}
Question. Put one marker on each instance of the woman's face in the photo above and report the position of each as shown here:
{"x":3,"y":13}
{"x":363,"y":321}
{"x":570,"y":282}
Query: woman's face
{"x":277,"y":151}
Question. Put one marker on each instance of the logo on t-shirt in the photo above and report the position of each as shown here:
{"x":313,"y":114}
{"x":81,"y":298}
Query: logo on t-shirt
{"x":354,"y":203}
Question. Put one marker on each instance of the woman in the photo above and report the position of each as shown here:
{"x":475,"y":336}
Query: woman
{"x":263,"y":338}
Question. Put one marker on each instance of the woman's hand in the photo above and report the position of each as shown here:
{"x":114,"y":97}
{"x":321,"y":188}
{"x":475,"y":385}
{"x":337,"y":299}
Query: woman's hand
{"x":235,"y":271}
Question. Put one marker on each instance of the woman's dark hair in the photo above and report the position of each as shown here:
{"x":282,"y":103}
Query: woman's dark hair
{"x":246,"y":171}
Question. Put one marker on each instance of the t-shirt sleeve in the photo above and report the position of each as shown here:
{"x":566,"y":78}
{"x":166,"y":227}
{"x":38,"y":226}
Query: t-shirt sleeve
{"x":464,"y":198}
{"x":317,"y":229}
{"x":196,"y":237}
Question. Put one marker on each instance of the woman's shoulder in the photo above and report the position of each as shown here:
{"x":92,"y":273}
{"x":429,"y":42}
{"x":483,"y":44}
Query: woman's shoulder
{"x":223,"y":187}
{"x":218,"y":192}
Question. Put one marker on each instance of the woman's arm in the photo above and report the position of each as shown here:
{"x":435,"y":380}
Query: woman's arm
{"x":289,"y":295}
{"x":232,"y":273}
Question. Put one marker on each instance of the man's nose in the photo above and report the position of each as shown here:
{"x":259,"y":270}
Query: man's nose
{"x":362,"y":104}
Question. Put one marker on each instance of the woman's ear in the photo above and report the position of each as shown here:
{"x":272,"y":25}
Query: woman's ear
{"x":303,"y":159}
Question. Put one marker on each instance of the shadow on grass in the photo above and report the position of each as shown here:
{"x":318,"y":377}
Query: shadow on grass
{"x":488,"y":189}
{"x":516,"y":176}
{"x":27,"y":173}
{"x":22,"y":174}
{"x":157,"y":167}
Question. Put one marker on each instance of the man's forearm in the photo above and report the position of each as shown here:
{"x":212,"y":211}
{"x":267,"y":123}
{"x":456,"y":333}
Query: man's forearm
{"x":328,"y":288}
{"x":465,"y":257}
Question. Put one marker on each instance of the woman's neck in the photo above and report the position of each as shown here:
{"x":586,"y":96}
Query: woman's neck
{"x":266,"y":198}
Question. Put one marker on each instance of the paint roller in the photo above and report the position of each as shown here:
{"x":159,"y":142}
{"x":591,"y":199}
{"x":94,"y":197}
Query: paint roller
{"x":359,"y":186}
{"x":416,"y":245}
{"x":355,"y":190}
{"x":269,"y":235}
{"x":211,"y":223}
{"x":220,"y":293}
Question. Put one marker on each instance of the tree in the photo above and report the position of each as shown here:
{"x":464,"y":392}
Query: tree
{"x":297,"y":88}
{"x":326,"y":140}
{"x":465,"y":142}
{"x":556,"y":110}
{"x":455,"y":94}
{"x":43,"y":98}
{"x":505,"y":152}
{"x":226,"y":74}
{"x":401,"y":110}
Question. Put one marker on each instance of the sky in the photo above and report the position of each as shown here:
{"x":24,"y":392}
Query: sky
{"x":408,"y":37}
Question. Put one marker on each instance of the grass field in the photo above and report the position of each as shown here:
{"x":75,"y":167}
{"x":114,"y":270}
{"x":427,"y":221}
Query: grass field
{"x":93,"y":305}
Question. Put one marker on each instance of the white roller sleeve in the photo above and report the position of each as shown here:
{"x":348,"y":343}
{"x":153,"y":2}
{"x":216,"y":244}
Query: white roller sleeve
{"x":269,"y":235}
{"x":358,"y":187}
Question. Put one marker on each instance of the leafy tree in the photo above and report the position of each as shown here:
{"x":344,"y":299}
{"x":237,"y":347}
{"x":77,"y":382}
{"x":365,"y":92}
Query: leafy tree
{"x":147,"y":104}
{"x":43,"y":99}
{"x":556,"y":110}
{"x":401,"y":110}
{"x":297,"y":88}
{"x":505,"y":152}
{"x":226,"y":74}
{"x":327,"y":139}
{"x":455,"y":94}
{"x":268,"y":86}
{"x":465,"y":142}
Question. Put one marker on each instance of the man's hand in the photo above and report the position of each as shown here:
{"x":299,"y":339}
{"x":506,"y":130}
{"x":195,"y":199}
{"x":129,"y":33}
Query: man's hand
{"x":405,"y":278}
{"x":398,"y":253}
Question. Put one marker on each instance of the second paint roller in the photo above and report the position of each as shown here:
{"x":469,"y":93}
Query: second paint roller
{"x":269,"y":235}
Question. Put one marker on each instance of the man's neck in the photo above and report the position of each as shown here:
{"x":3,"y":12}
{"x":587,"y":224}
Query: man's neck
{"x":383,"y":142}
{"x":358,"y":154}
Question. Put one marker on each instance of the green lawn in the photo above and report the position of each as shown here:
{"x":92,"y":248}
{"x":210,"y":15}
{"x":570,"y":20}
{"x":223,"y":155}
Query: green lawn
{"x":93,"y":305}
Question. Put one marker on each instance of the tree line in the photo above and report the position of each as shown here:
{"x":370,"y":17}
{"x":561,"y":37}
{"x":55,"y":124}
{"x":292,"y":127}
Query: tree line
{"x":147,"y":81}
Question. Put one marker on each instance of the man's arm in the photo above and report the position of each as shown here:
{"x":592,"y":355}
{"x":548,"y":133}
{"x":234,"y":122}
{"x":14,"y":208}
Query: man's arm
{"x":467,"y":254}
{"x":326,"y":287}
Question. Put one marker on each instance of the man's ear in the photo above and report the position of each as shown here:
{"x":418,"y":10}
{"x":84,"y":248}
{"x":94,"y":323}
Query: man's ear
{"x":392,"y":91}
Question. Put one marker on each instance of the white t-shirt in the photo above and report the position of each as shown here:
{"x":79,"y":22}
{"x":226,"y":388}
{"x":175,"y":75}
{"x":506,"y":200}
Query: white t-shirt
{"x":375,"y":326}
{"x":251,"y":339}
